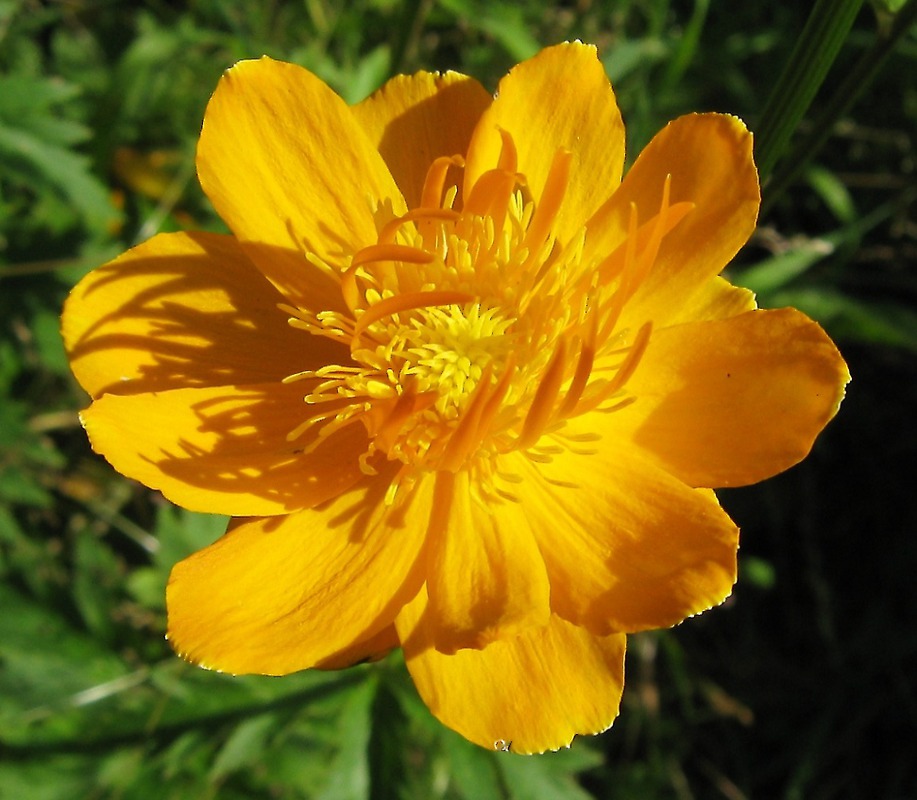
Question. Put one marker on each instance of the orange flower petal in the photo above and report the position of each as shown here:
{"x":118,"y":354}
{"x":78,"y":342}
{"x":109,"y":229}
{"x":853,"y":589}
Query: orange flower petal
{"x":286,"y":593}
{"x":183,"y":309}
{"x":373,"y":648}
{"x":290,"y":170}
{"x":709,"y":159}
{"x":486,"y":577}
{"x":731,"y":402}
{"x":560,"y":98}
{"x":718,"y":299}
{"x":532,"y":693}
{"x":628,"y":547}
{"x":414,"y":119}
{"x":224,"y":449}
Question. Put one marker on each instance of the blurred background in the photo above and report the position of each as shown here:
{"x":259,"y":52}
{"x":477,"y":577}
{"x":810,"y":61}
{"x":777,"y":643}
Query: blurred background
{"x":801,"y":686}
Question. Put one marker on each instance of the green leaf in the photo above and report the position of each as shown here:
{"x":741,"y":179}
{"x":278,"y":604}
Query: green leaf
{"x":47,"y":163}
{"x":349,"y":770}
{"x":549,"y":776}
{"x":474,"y":771}
{"x":885,"y":323}
{"x":245,"y":746}
{"x":817,"y":47}
{"x":833,"y":193}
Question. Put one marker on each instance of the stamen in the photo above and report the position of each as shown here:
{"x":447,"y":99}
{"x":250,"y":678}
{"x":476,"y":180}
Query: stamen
{"x":406,"y":302}
{"x":548,"y":206}
{"x":583,"y":370}
{"x":387,"y":235}
{"x":542,"y":407}
{"x":624,"y":372}
{"x":375,"y":253}
{"x":508,"y":158}
{"x":435,"y":179}
{"x":406,"y":405}
{"x":390,"y":252}
{"x":460,"y":443}
{"x":490,"y":196}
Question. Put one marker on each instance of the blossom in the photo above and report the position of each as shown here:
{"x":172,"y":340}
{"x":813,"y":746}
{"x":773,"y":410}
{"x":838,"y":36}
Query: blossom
{"x":463,"y":389}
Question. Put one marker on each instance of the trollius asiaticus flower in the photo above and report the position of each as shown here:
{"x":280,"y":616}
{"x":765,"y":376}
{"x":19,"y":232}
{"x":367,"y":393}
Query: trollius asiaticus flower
{"x":463,"y":390}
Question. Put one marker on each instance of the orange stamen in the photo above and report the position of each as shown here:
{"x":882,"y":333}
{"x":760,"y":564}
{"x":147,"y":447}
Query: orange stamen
{"x":508,"y":158}
{"x":375,"y":253}
{"x":462,"y":440}
{"x":583,"y":370}
{"x":490,"y":195}
{"x":542,"y":408}
{"x":548,"y":206}
{"x":432,"y":194}
{"x":625,"y":370}
{"x":406,"y":302}
{"x":387,"y":235}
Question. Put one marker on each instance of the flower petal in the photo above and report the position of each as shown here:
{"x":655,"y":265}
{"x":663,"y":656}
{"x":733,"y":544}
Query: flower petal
{"x":183,"y":309}
{"x":486,"y":577}
{"x":560,"y":98}
{"x":414,"y":119}
{"x":372,"y":648}
{"x":731,"y":402}
{"x":628,"y":547}
{"x":708,"y":158}
{"x":224,"y":450}
{"x":286,"y":593}
{"x":531,"y":693}
{"x":289,"y":169}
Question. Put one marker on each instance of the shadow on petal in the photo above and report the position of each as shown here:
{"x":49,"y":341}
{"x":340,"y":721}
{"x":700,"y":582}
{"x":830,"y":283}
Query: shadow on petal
{"x":184,"y":310}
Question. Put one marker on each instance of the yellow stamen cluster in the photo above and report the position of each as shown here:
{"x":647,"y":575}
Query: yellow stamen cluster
{"x":473,"y":332}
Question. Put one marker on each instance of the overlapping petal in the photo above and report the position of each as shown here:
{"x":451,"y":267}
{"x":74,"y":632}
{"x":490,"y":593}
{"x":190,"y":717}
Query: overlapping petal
{"x":559,"y":99}
{"x":628,"y":547}
{"x":530,"y":693}
{"x":287,"y":166}
{"x":414,"y":119}
{"x":707,"y":158}
{"x":224,"y":449}
{"x":282,"y":594}
{"x":734,"y":401}
{"x":181,"y":310}
{"x":486,"y":577}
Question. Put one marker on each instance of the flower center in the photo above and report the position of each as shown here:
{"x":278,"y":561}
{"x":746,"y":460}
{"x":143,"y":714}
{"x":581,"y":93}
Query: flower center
{"x":472,"y":330}
{"x":448,"y":348}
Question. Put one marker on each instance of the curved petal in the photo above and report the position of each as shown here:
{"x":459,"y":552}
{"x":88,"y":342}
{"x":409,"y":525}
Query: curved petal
{"x":224,"y":450}
{"x":560,"y":98}
{"x":486,"y":577}
{"x":180,"y":310}
{"x":731,"y":402}
{"x":286,"y":593}
{"x":288,"y":168}
{"x":373,"y":648}
{"x":708,"y":159}
{"x":628,"y":547}
{"x":414,"y":119}
{"x":531,"y":693}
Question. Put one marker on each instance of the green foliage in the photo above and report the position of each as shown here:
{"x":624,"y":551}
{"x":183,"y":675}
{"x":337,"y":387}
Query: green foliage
{"x":100,"y":106}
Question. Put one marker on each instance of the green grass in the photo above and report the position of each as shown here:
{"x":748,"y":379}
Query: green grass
{"x":801,"y":686}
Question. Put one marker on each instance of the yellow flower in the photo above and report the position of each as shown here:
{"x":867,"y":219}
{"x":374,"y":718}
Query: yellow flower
{"x":465,"y":390}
